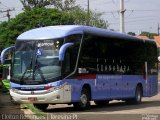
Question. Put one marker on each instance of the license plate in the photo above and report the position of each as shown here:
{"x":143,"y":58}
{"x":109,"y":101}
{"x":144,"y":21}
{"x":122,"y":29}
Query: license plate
{"x":32,"y":98}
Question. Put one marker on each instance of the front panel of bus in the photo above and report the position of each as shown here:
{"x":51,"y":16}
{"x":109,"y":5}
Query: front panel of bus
{"x":38,"y":70}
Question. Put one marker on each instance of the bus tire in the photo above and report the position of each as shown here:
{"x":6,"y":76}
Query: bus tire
{"x":84,"y":100}
{"x":41,"y":107}
{"x":101,"y":102}
{"x":138,"y":95}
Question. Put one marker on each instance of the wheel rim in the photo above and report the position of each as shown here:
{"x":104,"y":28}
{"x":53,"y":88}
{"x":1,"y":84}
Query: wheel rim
{"x":84,"y":99}
{"x":138,"y":96}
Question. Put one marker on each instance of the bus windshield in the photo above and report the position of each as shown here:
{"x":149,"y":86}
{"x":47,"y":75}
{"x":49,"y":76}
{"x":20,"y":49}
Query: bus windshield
{"x":36,"y":61}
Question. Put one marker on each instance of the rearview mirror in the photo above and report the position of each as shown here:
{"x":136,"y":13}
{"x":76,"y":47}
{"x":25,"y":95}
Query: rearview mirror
{"x":3,"y":53}
{"x":63,"y":49}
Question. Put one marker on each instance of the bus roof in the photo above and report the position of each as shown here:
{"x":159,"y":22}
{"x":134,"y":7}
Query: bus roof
{"x":52,"y":32}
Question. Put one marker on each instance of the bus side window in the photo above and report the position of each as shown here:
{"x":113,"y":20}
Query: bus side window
{"x":66,"y":64}
{"x":69,"y":62}
{"x":88,"y":55}
{"x":151,"y":58}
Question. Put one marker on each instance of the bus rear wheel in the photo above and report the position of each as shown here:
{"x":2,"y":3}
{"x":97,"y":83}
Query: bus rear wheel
{"x":138,"y":96}
{"x":84,"y":100}
{"x":42,"y":107}
{"x":101,"y":102}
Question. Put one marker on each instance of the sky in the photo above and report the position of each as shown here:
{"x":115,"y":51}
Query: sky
{"x":140,"y":15}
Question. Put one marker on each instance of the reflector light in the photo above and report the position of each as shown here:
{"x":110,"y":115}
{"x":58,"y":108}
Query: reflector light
{"x":47,"y":87}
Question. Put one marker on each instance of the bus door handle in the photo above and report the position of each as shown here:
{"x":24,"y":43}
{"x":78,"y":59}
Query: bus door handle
{"x":116,"y":84}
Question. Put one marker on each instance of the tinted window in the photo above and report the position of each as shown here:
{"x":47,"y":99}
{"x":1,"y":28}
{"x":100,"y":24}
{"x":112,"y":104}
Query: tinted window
{"x":71,"y":54}
{"x":151,"y":57}
{"x":104,"y":55}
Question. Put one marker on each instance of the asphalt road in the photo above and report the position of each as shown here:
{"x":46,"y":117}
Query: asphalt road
{"x":149,"y":109}
{"x":10,"y":111}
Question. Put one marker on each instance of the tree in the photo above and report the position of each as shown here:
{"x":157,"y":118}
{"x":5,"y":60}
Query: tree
{"x":75,"y":12}
{"x":81,"y":17}
{"x":29,"y":4}
{"x":132,"y":33}
{"x":148,"y":34}
{"x":64,"y":5}
{"x":59,"y":4}
{"x":4,"y":34}
{"x":38,"y":17}
{"x":28,"y":20}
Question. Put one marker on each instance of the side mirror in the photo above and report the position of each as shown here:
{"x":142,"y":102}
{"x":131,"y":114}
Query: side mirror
{"x":3,"y":53}
{"x":63,"y":49}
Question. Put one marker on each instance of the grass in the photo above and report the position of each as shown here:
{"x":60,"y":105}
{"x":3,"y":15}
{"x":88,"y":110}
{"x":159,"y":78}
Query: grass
{"x":5,"y":85}
{"x":35,"y":111}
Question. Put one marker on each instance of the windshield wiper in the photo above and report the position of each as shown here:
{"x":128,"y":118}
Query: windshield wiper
{"x":36,"y":67}
{"x":26,"y":70}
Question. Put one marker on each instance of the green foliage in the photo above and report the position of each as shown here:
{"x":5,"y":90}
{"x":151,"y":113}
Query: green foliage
{"x":36,"y":111}
{"x":28,"y":20}
{"x":76,"y":14}
{"x":58,"y":4}
{"x":4,"y":34}
{"x":132,"y":33}
{"x":41,"y":16}
{"x":5,"y":85}
{"x":82,"y":17}
{"x":148,"y":34}
{"x":29,"y":4}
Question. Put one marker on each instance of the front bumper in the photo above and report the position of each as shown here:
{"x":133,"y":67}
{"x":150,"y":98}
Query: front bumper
{"x":61,"y":94}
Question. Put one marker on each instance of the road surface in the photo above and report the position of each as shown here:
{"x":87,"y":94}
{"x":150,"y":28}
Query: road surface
{"x":149,"y":109}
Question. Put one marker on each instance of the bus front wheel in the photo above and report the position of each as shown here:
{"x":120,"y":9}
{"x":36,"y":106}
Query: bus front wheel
{"x":84,"y":100}
{"x":42,"y":107}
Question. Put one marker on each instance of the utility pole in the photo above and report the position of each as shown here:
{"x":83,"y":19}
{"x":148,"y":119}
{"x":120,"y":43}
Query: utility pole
{"x":88,"y":7}
{"x":7,"y":13}
{"x":88,"y":13}
{"x":158,"y":29}
{"x":122,"y":11}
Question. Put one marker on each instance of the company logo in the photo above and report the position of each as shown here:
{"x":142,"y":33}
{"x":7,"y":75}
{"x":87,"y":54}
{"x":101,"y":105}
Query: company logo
{"x":45,"y":44}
